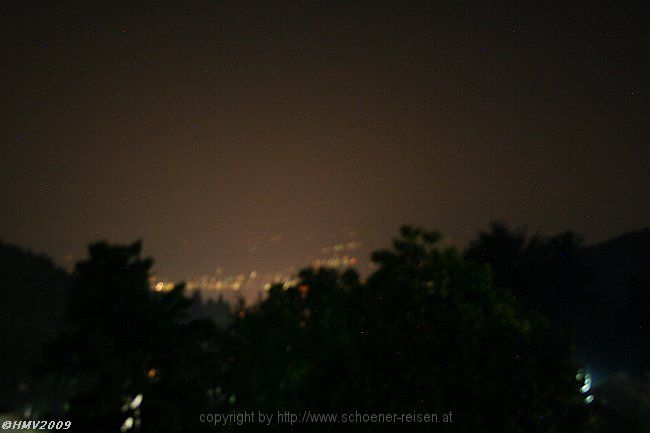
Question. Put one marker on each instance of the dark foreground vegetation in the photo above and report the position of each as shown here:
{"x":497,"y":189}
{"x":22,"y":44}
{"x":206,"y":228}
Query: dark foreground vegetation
{"x":487,"y":335}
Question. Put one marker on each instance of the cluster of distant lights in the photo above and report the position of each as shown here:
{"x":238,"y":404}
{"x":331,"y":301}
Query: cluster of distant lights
{"x":232,"y":283}
{"x":337,"y":256}
{"x":584,"y":378}
{"x":349,"y":246}
{"x":335,"y":262}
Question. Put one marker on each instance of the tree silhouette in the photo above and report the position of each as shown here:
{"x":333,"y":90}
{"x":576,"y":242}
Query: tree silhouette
{"x":33,"y":292}
{"x":131,"y":360}
{"x":426,"y":333}
{"x":550,"y":276}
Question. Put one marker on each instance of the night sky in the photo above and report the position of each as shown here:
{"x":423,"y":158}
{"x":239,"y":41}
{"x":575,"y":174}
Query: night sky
{"x":248,"y":135}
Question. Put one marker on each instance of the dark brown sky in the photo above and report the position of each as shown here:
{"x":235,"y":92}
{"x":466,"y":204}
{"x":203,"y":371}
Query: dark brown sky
{"x":209,"y":128}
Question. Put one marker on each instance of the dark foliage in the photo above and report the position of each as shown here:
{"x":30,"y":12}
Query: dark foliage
{"x":551,"y":276}
{"x":426,"y":333}
{"x":601,"y":293}
{"x":127,"y":341}
{"x":33,"y":293}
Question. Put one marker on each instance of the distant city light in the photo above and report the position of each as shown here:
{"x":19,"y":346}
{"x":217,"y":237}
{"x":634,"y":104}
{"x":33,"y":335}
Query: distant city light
{"x":135,"y":403}
{"x":127,"y":425}
{"x":253,"y":283}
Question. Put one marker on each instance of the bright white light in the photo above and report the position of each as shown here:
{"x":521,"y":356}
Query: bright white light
{"x":136,"y":401}
{"x":128,"y":423}
{"x":589,"y":399}
{"x":585,"y":388}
